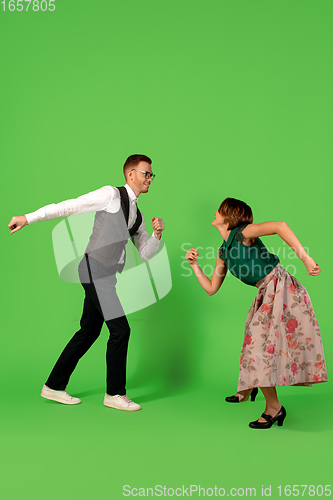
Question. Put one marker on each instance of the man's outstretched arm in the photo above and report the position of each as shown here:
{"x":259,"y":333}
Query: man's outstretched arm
{"x":90,"y":202}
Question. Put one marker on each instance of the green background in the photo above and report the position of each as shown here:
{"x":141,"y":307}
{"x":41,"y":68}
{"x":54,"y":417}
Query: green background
{"x":229,"y":98}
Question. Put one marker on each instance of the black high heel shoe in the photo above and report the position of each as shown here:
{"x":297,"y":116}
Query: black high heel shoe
{"x":235,"y":399}
{"x":279,"y":417}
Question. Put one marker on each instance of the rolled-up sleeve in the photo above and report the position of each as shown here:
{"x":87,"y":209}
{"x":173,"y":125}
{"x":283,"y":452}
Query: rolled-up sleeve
{"x":146,"y":245}
{"x":90,"y":202}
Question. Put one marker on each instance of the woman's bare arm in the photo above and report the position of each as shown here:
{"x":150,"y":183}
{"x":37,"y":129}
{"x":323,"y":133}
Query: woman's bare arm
{"x":286,"y":233}
{"x":212,"y":285}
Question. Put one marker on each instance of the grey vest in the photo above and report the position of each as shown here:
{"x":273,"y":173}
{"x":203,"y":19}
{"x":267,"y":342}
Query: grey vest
{"x":110,"y":233}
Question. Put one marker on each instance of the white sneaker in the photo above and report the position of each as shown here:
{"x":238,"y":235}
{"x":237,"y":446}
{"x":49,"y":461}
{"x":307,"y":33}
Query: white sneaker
{"x":120,"y":402}
{"x":60,"y":396}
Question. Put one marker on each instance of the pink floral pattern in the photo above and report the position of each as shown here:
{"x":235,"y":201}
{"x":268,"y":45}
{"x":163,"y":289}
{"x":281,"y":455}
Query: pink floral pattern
{"x":282,"y":343}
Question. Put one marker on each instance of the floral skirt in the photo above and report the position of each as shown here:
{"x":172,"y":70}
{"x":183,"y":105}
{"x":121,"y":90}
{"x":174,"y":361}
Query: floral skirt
{"x":282,"y":343}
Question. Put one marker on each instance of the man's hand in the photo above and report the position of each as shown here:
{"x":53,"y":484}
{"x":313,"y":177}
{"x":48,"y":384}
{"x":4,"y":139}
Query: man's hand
{"x":158,"y":226}
{"x":17,"y":223}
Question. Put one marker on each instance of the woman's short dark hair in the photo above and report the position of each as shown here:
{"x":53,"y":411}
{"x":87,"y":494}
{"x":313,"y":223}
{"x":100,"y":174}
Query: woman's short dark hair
{"x":235,"y":213}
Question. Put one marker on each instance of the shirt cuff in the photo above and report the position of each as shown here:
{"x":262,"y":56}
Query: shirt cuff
{"x":31,"y":218}
{"x":156,"y":241}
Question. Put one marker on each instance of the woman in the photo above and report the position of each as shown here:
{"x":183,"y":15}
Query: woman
{"x":282,"y":343}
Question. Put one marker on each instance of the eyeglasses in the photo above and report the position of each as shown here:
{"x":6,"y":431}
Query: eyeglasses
{"x":148,"y":175}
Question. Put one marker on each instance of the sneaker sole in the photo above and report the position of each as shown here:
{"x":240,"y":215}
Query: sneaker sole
{"x":124,"y":409}
{"x":52,"y":398}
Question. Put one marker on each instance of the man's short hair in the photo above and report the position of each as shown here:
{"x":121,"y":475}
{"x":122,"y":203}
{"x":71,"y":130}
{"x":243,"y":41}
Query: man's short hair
{"x":133,"y":160}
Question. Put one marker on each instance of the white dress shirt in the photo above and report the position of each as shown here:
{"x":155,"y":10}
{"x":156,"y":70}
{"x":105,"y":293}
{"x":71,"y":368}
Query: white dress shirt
{"x":106,"y":198}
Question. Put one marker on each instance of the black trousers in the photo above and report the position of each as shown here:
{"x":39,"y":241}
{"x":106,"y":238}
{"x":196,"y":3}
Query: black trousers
{"x":101,"y":304}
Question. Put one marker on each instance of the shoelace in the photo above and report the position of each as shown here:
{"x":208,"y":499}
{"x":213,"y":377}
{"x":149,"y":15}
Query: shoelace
{"x":68,"y":396}
{"x":125,"y":398}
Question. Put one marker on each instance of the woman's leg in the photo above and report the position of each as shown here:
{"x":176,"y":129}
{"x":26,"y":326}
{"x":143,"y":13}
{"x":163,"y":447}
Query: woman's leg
{"x":246,"y":394}
{"x":273,"y":405}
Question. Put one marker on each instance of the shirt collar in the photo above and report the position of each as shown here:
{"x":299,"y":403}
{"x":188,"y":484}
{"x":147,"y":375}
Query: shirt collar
{"x":131,"y":194}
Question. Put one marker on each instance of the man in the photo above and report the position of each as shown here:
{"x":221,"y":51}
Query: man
{"x":116,"y":219}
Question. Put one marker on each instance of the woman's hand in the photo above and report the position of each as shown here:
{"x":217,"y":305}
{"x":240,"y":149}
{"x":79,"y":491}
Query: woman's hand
{"x":312,"y":268}
{"x":191,"y":256}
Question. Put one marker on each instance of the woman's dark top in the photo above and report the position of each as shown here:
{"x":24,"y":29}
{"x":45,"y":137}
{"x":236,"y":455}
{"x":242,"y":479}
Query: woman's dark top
{"x":248,"y":263}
